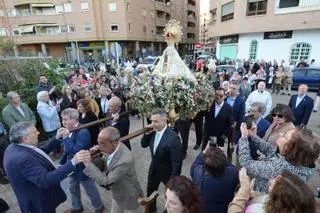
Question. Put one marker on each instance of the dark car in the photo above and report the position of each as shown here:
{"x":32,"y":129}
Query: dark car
{"x":309,"y":76}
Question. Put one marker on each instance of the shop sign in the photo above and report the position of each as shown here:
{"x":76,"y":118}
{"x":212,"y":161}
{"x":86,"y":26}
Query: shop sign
{"x":229,"y":39}
{"x":278,"y":35}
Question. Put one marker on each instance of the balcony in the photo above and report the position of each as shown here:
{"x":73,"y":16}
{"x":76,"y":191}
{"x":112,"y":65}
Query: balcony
{"x":191,"y":30}
{"x":21,"y":2}
{"x":161,"y":22}
{"x":162,"y":6}
{"x":191,"y":18}
{"x":290,"y":6}
{"x":191,"y":8}
{"x":33,"y":38}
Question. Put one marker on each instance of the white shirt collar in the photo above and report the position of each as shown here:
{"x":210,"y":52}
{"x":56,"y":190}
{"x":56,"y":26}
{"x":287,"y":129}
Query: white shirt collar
{"x":110,"y":156}
{"x":219,"y":105}
{"x":162,"y":131}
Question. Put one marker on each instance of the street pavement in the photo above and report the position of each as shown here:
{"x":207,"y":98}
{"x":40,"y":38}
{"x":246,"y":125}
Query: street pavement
{"x":142,"y":162}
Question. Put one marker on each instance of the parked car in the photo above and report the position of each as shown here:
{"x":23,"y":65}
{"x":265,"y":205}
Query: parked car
{"x":149,"y":62}
{"x":226,"y":68}
{"x":309,"y":76}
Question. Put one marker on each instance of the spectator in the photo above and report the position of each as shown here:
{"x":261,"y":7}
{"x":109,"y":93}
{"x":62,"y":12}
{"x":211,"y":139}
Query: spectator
{"x":287,"y":193}
{"x":85,"y":94}
{"x":317,"y":104}
{"x":262,"y":96}
{"x":312,"y":63}
{"x":86,"y":116}
{"x":244,"y":88}
{"x":270,"y":77}
{"x":287,"y":80}
{"x":215,"y":178}
{"x":16,"y":111}
{"x":301,"y":106}
{"x":297,"y":151}
{"x":69,"y":98}
{"x":278,"y":81}
{"x":48,"y":114}
{"x":182,"y":196}
{"x":282,"y":122}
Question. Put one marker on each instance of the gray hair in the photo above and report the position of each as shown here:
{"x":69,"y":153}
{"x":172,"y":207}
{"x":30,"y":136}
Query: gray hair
{"x":116,"y":100}
{"x":159,"y":111}
{"x":19,"y":130}
{"x":41,"y":94}
{"x":261,"y":106}
{"x":113,"y":132}
{"x":11,"y":94}
{"x":71,"y":113}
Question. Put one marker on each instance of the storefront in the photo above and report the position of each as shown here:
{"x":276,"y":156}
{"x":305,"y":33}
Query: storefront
{"x":227,"y":47}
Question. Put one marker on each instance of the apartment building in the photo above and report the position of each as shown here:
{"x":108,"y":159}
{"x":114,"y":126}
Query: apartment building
{"x":83,"y":28}
{"x":266,"y":29}
{"x":205,"y":39}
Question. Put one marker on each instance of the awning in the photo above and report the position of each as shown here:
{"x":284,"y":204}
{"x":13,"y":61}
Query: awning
{"x":47,"y":25}
{"x":42,"y":5}
{"x":26,"y":29}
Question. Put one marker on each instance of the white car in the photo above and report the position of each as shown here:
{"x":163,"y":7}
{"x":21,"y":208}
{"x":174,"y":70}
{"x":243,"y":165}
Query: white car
{"x":149,"y":62}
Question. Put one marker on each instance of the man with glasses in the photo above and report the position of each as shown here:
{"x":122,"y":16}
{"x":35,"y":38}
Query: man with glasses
{"x":301,"y":106}
{"x":218,"y":120}
{"x":16,"y":111}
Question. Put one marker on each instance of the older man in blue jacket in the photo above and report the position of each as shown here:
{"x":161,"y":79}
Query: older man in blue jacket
{"x":33,"y":176}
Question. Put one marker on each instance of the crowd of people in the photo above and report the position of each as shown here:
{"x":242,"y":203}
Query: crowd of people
{"x":274,"y":147}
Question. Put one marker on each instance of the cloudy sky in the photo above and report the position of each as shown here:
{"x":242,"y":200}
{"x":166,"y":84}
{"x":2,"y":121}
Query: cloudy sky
{"x":204,"y":6}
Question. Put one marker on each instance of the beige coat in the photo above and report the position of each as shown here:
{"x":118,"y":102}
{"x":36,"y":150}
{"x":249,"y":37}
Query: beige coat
{"x":274,"y":132}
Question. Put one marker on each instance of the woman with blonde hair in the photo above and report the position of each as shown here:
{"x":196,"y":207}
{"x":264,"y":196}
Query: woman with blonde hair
{"x":86,"y":94}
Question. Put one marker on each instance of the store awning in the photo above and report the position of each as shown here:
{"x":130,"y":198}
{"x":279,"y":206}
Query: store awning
{"x":26,"y":29}
{"x":47,"y":25}
{"x":42,"y":5}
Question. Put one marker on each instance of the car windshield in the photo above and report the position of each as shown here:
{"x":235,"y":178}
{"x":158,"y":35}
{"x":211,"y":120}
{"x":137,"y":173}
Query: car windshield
{"x":148,"y":60}
{"x":225,"y":68}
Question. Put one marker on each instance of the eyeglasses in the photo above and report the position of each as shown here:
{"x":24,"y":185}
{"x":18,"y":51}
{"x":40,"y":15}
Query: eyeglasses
{"x":277,"y":115}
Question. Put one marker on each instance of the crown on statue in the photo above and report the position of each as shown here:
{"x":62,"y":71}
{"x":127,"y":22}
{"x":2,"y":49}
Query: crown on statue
{"x":173,"y":31}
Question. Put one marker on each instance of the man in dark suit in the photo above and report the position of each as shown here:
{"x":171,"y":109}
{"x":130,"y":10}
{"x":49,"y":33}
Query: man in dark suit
{"x":218,"y":120}
{"x":258,"y":109}
{"x":121,"y":123}
{"x":166,"y":152}
{"x":33,"y":176}
{"x":238,"y":109}
{"x":301,"y":106}
{"x":74,"y":142}
{"x":103,"y":102}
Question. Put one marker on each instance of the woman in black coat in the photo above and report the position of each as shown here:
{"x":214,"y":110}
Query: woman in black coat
{"x":85,"y":116}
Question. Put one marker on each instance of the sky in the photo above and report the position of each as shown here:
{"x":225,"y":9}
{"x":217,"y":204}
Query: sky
{"x":204,"y":6}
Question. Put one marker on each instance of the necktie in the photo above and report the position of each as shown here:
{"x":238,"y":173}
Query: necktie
{"x":156,"y":142}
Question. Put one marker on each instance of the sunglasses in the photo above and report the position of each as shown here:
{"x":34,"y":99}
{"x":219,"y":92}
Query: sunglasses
{"x":277,"y":115}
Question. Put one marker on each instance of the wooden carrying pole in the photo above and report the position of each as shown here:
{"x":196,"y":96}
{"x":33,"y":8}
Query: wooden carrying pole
{"x":93,"y":123}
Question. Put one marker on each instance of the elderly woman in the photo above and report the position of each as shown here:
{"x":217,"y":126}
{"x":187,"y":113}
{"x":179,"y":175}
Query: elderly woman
{"x":287,"y":193}
{"x":85,"y":116}
{"x":215,"y":178}
{"x":48,"y":114}
{"x":297,"y":150}
{"x":282,"y":122}
{"x":182,"y":196}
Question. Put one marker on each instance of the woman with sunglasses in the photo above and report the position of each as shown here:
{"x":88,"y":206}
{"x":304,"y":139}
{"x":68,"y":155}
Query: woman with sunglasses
{"x":286,"y":193}
{"x":296,"y":152}
{"x":282,"y":122}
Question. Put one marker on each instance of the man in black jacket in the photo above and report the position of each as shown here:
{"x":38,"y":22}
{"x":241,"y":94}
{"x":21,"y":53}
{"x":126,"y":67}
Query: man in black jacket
{"x":166,"y":152}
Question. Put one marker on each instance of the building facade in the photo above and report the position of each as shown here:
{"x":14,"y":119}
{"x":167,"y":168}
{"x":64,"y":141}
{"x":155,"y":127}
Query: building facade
{"x":78,"y":30}
{"x":266,"y":29}
{"x":205,"y":39}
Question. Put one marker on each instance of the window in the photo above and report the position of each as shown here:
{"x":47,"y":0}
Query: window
{"x":253,"y":50}
{"x":12,"y":12}
{"x":114,"y":27}
{"x":112,"y":7}
{"x":67,"y":7}
{"x":84,"y":6}
{"x":15,"y":32}
{"x":144,"y":29}
{"x":87,"y":27}
{"x":1,"y":13}
{"x":256,"y":7}
{"x":288,"y":3}
{"x":213,"y":15}
{"x":300,"y":51}
{"x":63,"y":28}
{"x":313,"y":73}
{"x":59,"y":9}
{"x":71,"y":28}
{"x":144,"y":13}
{"x":3,"y":32}
{"x":227,"y":11}
{"x":128,"y":6}
{"x":129,"y":26}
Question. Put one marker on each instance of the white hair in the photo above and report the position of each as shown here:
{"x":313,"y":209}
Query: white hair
{"x":41,"y":94}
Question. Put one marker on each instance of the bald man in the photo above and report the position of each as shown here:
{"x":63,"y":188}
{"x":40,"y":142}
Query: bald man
{"x":301,"y":106}
{"x":121,"y":123}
